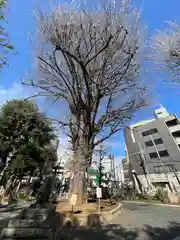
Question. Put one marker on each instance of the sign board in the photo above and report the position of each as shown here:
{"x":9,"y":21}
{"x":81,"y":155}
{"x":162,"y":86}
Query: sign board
{"x":99,"y":192}
{"x":93,"y":172}
{"x":97,"y":180}
{"x":73,"y":199}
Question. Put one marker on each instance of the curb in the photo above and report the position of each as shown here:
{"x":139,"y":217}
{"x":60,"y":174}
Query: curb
{"x":96,"y":217}
{"x":110,"y":215}
{"x":153,"y":203}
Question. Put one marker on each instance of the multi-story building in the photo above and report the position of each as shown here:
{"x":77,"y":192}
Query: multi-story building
{"x":153,"y":149}
{"x":126,"y":169}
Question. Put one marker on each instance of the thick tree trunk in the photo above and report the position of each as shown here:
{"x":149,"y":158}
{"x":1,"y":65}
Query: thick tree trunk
{"x":81,"y":160}
{"x":78,"y":178}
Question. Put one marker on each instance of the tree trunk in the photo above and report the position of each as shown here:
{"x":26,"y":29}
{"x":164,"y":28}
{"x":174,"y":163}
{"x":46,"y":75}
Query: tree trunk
{"x":81,"y":160}
{"x":18,"y":186}
{"x":78,"y":178}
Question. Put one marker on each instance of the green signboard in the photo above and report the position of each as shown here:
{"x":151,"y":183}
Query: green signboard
{"x":93,"y":172}
{"x":97,"y":180}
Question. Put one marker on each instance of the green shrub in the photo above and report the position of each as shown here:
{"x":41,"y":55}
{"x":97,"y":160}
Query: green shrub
{"x":12,"y":200}
{"x":26,"y":198}
{"x":162,"y":195}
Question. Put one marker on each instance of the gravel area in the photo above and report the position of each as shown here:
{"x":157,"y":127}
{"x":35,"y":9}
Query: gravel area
{"x":151,"y":222}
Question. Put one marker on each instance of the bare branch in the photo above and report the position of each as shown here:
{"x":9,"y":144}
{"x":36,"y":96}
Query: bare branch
{"x":62,"y":124}
{"x":166,"y":50}
{"x":91,"y":59}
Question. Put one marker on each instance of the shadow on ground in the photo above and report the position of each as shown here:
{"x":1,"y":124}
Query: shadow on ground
{"x":4,"y":222}
{"x":8,"y":212}
{"x":9,"y":209}
{"x":157,"y":233}
{"x":109,"y":232}
{"x":113,"y":231}
{"x":72,"y":230}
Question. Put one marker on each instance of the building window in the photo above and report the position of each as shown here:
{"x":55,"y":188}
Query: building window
{"x":176,"y":134}
{"x":156,"y":142}
{"x":149,"y":144}
{"x":163,"y":153}
{"x":153,"y":155}
{"x":172,"y":122}
{"x":150,"y":132}
{"x":160,"y":169}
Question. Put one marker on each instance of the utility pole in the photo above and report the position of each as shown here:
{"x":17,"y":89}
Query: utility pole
{"x":146,"y":172}
{"x":162,"y":164}
{"x":159,"y":157}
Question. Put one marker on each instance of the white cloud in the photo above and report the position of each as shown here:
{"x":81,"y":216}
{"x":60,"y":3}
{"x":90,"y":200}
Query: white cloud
{"x":13,"y":92}
{"x":20,"y":91}
{"x":112,"y":144}
{"x":63,"y":152}
{"x":63,"y":145}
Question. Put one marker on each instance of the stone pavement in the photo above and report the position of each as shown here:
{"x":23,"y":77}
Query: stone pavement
{"x":7,"y":213}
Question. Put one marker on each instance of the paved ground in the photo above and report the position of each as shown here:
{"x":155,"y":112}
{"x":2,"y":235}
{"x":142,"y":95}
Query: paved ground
{"x":146,"y":221}
{"x":137,"y":222}
{"x":9,"y":212}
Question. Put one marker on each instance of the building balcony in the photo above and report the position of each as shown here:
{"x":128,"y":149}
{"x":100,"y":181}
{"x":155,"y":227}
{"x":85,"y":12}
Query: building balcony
{"x":162,"y":177}
{"x":175,"y":128}
{"x":177,"y":139}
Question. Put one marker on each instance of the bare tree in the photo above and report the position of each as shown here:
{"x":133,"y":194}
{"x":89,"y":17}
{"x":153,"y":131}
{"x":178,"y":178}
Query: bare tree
{"x":91,"y":60}
{"x":166,"y":47}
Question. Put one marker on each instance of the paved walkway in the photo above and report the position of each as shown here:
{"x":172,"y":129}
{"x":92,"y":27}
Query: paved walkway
{"x":9,"y":212}
{"x":149,"y":222}
{"x":137,"y":222}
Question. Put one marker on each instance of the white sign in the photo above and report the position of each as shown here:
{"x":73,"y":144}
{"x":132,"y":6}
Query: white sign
{"x":99,"y":192}
{"x":73,"y":199}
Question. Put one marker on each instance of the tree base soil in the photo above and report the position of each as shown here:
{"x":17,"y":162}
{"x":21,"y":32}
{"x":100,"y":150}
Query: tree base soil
{"x":86,"y":208}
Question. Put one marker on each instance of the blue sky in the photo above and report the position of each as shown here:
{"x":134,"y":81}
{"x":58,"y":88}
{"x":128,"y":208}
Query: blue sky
{"x":21,"y":22}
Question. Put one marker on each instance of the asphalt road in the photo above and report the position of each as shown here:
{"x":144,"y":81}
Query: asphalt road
{"x":148,"y":222}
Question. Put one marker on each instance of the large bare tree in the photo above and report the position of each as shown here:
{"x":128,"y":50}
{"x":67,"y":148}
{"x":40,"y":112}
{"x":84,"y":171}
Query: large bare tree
{"x":166,"y":46}
{"x":90,"y":58}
